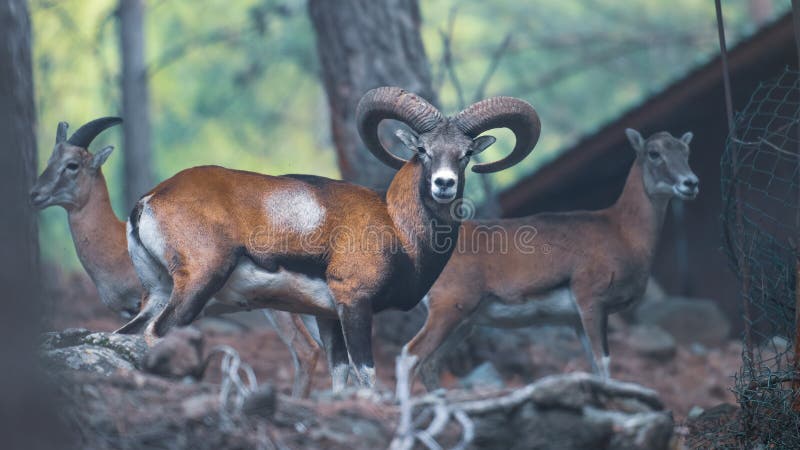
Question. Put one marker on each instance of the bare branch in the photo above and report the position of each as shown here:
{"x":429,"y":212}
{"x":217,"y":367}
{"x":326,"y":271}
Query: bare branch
{"x":494,"y":63}
{"x":447,"y":57}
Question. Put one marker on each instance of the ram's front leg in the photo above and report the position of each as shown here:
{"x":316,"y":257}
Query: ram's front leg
{"x":354,"y":309}
{"x":356,"y":319}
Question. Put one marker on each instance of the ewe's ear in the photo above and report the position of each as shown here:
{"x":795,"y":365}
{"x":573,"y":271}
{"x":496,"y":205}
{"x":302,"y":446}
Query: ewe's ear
{"x":636,"y":140}
{"x":409,"y":139}
{"x":687,"y":137}
{"x":481,"y":143}
{"x":100,"y":157}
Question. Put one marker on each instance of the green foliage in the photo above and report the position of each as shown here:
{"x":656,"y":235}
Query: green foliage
{"x":234,"y":83}
{"x":581,"y":63}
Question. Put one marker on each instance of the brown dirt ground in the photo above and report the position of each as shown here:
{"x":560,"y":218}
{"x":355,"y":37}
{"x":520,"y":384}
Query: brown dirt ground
{"x":685,"y":381}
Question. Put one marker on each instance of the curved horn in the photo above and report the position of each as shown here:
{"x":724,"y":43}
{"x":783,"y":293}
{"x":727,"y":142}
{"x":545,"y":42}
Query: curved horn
{"x":84,"y":135}
{"x":392,"y":103}
{"x":61,"y":132}
{"x":502,"y":112}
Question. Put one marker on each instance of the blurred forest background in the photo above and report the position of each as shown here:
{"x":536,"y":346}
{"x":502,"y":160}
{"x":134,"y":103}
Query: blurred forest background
{"x":237,"y":83}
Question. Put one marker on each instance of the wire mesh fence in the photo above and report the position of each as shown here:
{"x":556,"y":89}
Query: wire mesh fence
{"x":761,"y":235}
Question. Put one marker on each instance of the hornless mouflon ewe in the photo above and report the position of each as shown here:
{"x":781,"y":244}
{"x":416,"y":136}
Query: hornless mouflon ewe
{"x":307,"y":244}
{"x":73,"y":179}
{"x":572,"y":268}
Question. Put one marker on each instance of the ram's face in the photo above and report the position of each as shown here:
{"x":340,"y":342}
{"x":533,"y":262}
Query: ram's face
{"x":444,"y":154}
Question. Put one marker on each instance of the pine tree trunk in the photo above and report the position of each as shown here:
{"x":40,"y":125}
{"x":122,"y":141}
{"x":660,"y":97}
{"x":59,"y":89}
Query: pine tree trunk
{"x":363,"y":44}
{"x":138,"y":175}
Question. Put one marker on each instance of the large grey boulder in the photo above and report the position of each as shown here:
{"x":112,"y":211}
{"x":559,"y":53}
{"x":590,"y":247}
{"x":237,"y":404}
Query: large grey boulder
{"x":688,"y":320}
{"x":651,"y":341}
{"x":179,"y":354}
{"x":483,"y":377}
{"x":80,"y":349}
{"x":653,"y":293}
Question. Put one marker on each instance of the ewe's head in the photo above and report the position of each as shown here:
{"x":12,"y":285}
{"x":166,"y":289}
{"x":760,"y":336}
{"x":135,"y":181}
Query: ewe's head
{"x":665,"y":164}
{"x":67,"y":179}
{"x":444,"y":145}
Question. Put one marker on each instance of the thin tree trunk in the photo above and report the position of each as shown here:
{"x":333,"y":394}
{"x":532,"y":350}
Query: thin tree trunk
{"x":24,"y":411}
{"x":363,"y":44}
{"x":138,"y":174}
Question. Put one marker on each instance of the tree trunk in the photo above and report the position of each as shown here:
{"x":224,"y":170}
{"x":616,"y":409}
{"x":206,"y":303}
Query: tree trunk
{"x":135,"y":102}
{"x":24,"y":411}
{"x":363,"y":44}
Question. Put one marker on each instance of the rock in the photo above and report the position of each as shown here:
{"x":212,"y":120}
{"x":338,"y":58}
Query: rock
{"x":704,"y":428}
{"x":617,"y":323}
{"x":698,"y":349}
{"x":776,"y":345}
{"x":200,"y":406}
{"x":695,"y":412}
{"x":104,"y":353}
{"x":577,"y":390}
{"x":688,"y":320}
{"x":483,"y":376}
{"x":179,"y":354}
{"x":67,"y":338}
{"x":573,"y":411}
{"x":652,"y":341}
{"x":261,"y":403}
{"x":396,"y":327}
{"x":129,"y":346}
{"x":653,"y":293}
{"x":86,"y":357}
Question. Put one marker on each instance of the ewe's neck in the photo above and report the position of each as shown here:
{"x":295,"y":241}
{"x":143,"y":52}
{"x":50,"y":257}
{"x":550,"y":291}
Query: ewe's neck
{"x":639,"y":215}
{"x":98,"y":234}
{"x":423,"y":226}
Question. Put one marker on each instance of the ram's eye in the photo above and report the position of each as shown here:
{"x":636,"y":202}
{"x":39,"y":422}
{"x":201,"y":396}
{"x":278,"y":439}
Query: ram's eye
{"x":421,"y":150}
{"x":653,"y":155}
{"x":73,"y":166}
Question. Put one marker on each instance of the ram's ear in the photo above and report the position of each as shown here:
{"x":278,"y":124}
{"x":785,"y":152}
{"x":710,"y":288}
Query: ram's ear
{"x":687,"y":137}
{"x":481,"y":143}
{"x":100,"y":157}
{"x":410,"y":139}
{"x":635,"y":138}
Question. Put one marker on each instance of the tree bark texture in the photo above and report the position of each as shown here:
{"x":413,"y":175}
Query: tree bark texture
{"x":25,"y":408}
{"x":138,"y":175}
{"x":363,"y":44}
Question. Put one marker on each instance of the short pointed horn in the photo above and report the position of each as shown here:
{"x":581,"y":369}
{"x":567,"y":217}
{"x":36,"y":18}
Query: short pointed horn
{"x":61,"y":132}
{"x":502,"y":112}
{"x":84,"y":135}
{"x":392,"y":103}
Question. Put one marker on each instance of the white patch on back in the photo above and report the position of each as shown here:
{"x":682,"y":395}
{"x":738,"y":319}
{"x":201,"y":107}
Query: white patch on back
{"x":294,"y":209}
